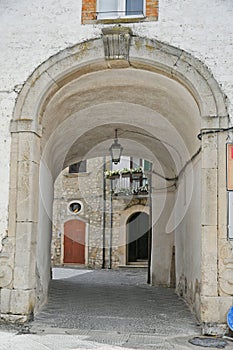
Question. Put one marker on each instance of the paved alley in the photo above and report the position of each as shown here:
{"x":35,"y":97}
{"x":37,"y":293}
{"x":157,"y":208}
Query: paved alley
{"x":114,"y":300}
{"x":106,"y":310}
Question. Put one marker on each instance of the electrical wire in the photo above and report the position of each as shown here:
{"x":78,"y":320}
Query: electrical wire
{"x":199,"y":136}
{"x":152,"y":137}
{"x":176,"y":178}
{"x":164,"y":188}
{"x":213,"y":131}
{"x":168,"y":144}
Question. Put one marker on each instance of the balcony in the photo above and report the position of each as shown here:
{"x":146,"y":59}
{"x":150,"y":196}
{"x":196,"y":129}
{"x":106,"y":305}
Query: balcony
{"x":128,"y":182}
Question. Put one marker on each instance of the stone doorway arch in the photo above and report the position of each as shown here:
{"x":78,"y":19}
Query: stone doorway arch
{"x":78,"y":83}
{"x":137,"y":238}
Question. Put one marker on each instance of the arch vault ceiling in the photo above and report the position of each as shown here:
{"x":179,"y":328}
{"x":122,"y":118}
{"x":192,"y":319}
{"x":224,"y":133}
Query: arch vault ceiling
{"x":155,"y":115}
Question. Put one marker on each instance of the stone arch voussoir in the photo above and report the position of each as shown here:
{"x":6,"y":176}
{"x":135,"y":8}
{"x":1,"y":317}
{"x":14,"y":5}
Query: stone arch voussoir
{"x":146,"y":54}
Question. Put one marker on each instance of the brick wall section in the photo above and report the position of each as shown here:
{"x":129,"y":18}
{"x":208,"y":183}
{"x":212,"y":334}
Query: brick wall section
{"x":89,"y":10}
{"x":152,"y":7}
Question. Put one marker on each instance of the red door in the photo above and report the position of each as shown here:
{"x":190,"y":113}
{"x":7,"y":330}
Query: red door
{"x":74,"y":242}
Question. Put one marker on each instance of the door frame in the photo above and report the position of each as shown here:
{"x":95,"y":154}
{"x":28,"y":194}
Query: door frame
{"x":63,"y":238}
{"x":128,"y":233}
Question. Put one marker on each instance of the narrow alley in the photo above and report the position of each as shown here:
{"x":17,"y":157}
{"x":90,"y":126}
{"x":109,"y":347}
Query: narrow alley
{"x":115,"y":307}
{"x":107,"y":310}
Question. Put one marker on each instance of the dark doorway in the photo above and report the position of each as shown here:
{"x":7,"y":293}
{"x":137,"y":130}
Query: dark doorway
{"x":137,"y":237}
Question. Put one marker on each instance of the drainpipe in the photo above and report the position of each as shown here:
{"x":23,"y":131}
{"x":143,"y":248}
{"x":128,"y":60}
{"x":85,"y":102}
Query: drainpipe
{"x":150,"y":230}
{"x":111,"y":227}
{"x":104,"y":212}
{"x":111,"y":224}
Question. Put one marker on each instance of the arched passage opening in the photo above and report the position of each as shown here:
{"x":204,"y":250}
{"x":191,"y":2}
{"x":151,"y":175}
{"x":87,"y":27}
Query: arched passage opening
{"x":137,"y":238}
{"x":159,"y":100}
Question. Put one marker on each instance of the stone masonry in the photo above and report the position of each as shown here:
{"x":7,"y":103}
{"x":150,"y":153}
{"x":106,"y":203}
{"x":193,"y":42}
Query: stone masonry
{"x":87,"y":187}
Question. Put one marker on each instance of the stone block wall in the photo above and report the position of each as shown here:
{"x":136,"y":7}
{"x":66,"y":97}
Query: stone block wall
{"x":88,"y":189}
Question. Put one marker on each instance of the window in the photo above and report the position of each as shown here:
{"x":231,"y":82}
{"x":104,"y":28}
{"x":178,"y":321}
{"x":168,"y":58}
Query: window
{"x":119,"y":11}
{"x":75,"y":207}
{"x":147,"y":165}
{"x":120,"y":8}
{"x":80,"y":167}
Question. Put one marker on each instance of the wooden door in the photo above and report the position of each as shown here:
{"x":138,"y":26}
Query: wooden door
{"x":74,"y":242}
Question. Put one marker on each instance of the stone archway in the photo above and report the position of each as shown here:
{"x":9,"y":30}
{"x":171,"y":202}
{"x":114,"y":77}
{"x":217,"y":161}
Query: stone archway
{"x":126,"y":214}
{"x":70,"y":88}
{"x":137,"y":238}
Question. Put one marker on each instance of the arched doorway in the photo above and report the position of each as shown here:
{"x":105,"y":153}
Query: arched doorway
{"x":160,"y":98}
{"x":74,"y":242}
{"x":137,"y":237}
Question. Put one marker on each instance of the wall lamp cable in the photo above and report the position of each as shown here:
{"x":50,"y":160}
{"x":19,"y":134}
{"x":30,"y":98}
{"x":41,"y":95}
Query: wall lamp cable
{"x":176,"y":178}
{"x":213,"y":131}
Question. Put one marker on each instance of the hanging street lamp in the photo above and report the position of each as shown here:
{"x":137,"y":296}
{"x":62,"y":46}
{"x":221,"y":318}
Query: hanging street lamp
{"x":116,"y":150}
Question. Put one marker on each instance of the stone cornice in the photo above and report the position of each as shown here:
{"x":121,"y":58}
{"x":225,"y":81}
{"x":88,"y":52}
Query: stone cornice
{"x":25,"y":125}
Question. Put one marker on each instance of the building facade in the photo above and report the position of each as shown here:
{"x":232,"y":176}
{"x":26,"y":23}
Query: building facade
{"x":159,"y":72}
{"x":101,"y":221}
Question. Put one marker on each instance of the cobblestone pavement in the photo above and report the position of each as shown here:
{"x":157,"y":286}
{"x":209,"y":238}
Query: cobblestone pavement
{"x":115,"y":300}
{"x":106,"y":309}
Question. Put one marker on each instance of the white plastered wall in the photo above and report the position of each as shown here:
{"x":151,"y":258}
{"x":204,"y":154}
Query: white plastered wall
{"x":162,"y":239}
{"x":188,"y":236}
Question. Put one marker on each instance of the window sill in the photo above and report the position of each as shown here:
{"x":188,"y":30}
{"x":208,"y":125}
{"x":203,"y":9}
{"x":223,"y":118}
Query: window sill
{"x":70,"y":175}
{"x":121,"y":20}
